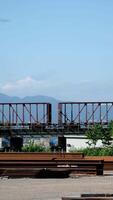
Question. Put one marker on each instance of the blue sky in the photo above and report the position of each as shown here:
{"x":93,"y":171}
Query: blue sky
{"x":59,"y":48}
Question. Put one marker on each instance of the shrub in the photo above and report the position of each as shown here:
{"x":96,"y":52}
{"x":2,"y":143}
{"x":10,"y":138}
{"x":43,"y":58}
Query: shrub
{"x":32,"y":147}
{"x":104,"y":151}
{"x":93,"y":134}
{"x":98,"y":132}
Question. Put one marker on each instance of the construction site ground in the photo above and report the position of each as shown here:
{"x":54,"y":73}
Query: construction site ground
{"x":54,"y":189}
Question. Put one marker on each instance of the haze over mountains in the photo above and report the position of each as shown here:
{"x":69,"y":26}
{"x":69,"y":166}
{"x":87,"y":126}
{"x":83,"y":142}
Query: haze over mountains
{"x":30,"y":99}
{"x":39,"y":98}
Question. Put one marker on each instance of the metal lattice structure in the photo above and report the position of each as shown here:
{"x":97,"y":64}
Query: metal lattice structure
{"x":85,"y":113}
{"x":24,"y":114}
{"x":73,"y":117}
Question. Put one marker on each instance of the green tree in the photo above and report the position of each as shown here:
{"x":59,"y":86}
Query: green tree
{"x":99,"y":133}
{"x":93,"y":134}
{"x":107,"y":135}
{"x":110,"y":128}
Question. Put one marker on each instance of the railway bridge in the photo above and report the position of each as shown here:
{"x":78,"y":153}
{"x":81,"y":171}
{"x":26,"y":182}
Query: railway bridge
{"x":37,"y":118}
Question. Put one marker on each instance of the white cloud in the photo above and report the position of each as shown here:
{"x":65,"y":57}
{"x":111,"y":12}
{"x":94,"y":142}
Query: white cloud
{"x":84,"y":90}
{"x":26,"y":86}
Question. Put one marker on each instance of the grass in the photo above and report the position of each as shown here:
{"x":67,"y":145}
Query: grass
{"x":104,"y":151}
{"x":32,"y":147}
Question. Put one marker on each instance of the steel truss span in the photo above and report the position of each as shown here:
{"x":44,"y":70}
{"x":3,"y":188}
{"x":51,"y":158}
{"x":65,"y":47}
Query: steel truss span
{"x":85,"y":113}
{"x":70,"y":116}
{"x":24,"y":115}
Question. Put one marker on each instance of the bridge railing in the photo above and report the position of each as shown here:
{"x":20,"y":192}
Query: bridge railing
{"x":24,"y":114}
{"x":86,"y":113}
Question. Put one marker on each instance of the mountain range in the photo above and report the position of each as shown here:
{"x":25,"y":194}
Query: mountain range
{"x":39,"y":98}
{"x":30,"y":99}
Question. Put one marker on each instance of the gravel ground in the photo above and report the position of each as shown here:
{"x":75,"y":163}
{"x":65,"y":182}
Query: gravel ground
{"x":54,"y":189}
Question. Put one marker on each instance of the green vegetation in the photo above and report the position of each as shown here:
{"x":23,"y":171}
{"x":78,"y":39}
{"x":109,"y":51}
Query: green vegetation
{"x":94,"y":134}
{"x":99,"y":133}
{"x":105,"y":151}
{"x":32,"y":147}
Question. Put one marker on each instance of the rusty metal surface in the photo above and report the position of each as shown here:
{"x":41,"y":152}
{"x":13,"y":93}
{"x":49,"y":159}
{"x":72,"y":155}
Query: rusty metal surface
{"x":39,"y":156}
{"x":108,"y":161}
{"x":24,"y":115}
{"x":85,"y":113}
{"x":71,"y":117}
{"x":48,"y":164}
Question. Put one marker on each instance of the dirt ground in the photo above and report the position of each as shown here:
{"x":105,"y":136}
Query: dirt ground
{"x":54,"y":189}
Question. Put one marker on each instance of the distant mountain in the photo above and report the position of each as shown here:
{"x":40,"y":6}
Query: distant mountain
{"x":39,"y":98}
{"x":30,"y":99}
{"x":7,"y":99}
